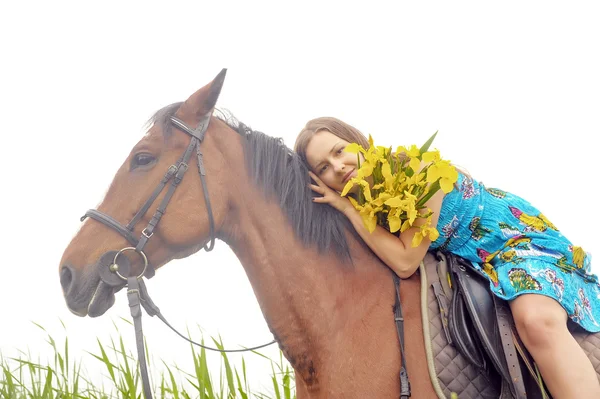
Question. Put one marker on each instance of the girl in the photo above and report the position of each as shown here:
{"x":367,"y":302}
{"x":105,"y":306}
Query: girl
{"x":529,"y":263}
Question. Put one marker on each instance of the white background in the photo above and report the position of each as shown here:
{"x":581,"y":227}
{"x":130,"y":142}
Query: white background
{"x":513,"y":88}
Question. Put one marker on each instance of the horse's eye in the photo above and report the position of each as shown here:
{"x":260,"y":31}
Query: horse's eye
{"x":142,"y":159}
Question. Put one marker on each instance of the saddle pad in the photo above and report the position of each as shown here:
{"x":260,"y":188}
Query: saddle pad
{"x":449,"y":370}
{"x":589,"y":342}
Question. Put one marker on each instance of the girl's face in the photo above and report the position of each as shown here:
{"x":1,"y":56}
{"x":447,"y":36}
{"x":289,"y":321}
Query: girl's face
{"x":328,"y":160}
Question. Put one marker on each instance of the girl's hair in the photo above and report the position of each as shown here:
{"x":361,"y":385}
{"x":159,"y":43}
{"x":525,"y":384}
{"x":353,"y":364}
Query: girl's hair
{"x":332,"y":125}
{"x":342,"y":130}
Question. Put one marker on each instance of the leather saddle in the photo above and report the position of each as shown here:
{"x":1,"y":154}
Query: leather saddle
{"x":481,"y":328}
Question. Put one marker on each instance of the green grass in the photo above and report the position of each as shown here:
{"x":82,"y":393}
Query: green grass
{"x":61,"y":376}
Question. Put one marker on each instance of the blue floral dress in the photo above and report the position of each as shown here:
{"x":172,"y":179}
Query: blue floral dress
{"x":518,"y":248}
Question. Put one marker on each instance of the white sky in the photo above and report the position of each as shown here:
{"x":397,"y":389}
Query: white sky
{"x":513,"y":88}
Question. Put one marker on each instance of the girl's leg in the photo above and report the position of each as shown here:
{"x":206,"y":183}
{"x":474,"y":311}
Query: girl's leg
{"x":542,"y":325}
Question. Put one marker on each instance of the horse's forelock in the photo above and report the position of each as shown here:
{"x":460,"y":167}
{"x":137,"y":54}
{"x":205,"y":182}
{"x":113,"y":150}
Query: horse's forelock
{"x":161,"y":119}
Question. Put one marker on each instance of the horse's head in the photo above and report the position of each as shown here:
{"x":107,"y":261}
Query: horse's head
{"x":131,"y":214}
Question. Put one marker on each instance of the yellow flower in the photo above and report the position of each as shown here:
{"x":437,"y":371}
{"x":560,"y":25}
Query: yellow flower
{"x":367,"y":214}
{"x":415,"y":164}
{"x":425,"y":231}
{"x":366,"y":169}
{"x":399,"y":186}
{"x":386,"y":172}
{"x":445,"y":172}
{"x":381,"y":199}
{"x":394,"y":223}
{"x":354,"y":148}
{"x":578,"y":257}
{"x":431,"y":156}
{"x":412,"y":152}
{"x":347,"y":187}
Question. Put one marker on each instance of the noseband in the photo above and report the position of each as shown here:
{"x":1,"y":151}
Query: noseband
{"x":117,"y":274}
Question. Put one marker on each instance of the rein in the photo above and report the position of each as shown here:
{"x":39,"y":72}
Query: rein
{"x":116,"y":274}
{"x":399,"y":320}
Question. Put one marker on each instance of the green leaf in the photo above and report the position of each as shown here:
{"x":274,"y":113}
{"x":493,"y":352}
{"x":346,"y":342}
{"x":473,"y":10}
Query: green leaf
{"x":228,"y":369}
{"x":432,"y":190}
{"x":425,"y":147}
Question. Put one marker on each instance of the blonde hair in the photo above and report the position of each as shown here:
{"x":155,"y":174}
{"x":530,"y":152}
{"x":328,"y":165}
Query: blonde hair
{"x":334,"y":126}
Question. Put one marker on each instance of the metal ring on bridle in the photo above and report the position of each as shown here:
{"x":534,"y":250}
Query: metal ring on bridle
{"x":116,"y":269}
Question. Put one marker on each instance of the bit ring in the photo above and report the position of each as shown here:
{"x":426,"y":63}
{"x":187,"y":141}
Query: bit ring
{"x":116,"y":269}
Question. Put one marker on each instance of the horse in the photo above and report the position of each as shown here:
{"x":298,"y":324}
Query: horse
{"x":325,"y":296}
{"x":327,"y":299}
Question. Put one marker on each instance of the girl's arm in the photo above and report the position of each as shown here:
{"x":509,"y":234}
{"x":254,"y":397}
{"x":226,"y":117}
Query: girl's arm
{"x":396,"y":252}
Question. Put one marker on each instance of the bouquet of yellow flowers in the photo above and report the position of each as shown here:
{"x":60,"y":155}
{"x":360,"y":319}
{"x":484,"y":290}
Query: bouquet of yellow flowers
{"x":394,"y":187}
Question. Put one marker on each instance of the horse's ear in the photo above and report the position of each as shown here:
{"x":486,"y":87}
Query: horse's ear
{"x":204,"y":100}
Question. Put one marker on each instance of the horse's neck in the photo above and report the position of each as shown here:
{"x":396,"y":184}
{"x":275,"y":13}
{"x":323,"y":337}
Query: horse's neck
{"x":316,"y":307}
{"x":294,"y":288}
{"x":334,"y":322}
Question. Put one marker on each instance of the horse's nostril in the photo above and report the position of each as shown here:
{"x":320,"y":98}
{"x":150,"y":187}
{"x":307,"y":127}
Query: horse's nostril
{"x":66,"y":277}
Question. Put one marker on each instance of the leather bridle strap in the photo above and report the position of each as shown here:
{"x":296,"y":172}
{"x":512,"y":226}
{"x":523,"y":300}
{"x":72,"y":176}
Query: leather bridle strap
{"x":198,"y":134}
{"x":399,"y":319}
{"x":112,"y":223}
{"x":170,"y":173}
{"x":182,"y":167}
{"x":133,"y":295}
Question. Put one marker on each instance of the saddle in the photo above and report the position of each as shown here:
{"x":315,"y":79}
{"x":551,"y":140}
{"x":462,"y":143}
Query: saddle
{"x":480,"y":326}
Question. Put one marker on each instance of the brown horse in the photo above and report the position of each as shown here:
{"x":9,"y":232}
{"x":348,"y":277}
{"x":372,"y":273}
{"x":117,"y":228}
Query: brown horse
{"x":325,"y":296}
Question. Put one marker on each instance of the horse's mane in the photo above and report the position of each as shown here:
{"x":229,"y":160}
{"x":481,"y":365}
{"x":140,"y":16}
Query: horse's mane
{"x":282,"y":174}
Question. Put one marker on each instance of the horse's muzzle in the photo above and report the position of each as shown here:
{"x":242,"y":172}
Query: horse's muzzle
{"x":92,"y":292}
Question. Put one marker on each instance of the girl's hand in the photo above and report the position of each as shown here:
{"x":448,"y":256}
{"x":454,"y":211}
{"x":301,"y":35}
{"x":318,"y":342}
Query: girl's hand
{"x":329,"y":196}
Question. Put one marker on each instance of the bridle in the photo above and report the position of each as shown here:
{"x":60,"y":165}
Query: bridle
{"x":174,"y":174}
{"x":116,"y":274}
